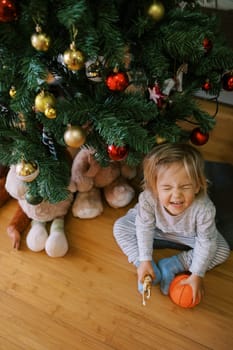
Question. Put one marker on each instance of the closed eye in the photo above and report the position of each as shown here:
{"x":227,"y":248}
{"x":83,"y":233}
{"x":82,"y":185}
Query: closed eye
{"x":166,"y":188}
{"x":187,"y":187}
{"x":184,"y":187}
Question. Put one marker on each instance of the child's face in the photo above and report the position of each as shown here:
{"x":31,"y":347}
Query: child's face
{"x":175,"y":189}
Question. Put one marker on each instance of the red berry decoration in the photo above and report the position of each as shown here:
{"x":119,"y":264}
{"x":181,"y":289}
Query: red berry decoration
{"x":8,"y":11}
{"x":182,"y":295}
{"x":117,"y":81}
{"x":207,"y":44}
{"x":199,"y":138}
{"x":227,"y":81}
{"x":117,"y":153}
{"x":207,"y":85}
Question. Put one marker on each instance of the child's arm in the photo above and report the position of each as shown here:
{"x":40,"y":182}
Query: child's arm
{"x":17,"y":225}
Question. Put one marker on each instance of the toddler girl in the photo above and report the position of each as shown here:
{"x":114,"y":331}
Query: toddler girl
{"x":174,"y":207}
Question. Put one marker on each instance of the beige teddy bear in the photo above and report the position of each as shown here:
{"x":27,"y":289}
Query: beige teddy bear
{"x":55,"y":242}
{"x":91,"y":182}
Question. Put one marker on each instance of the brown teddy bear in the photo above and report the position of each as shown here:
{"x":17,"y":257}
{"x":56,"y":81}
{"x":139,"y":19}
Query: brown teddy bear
{"x":91,"y":181}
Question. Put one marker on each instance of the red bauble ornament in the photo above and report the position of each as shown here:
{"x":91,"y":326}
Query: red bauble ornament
{"x":227,"y":81}
{"x":199,"y":138}
{"x":117,"y":81}
{"x":182,"y":295}
{"x":207,"y":44}
{"x":8,"y":11}
{"x":117,"y":153}
{"x":207,"y":85}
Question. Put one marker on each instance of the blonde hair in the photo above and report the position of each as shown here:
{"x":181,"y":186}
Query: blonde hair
{"x":164,"y":155}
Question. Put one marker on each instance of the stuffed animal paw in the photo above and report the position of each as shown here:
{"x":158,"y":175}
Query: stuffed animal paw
{"x":56,"y":245}
{"x":88,"y":205}
{"x":37,"y":236}
{"x":119,"y":193}
{"x":17,"y":226}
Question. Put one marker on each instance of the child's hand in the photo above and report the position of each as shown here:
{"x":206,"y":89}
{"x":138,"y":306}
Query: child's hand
{"x":145,"y":268}
{"x":196,"y":282}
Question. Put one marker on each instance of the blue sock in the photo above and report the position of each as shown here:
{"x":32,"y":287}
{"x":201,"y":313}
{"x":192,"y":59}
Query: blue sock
{"x":169,"y":267}
{"x":157,"y":277}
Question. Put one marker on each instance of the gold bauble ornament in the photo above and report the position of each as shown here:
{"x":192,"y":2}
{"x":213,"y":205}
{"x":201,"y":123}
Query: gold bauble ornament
{"x":27,"y":171}
{"x":40,"y":41}
{"x":73,"y":58}
{"x":44,"y":100}
{"x":75,"y":136}
{"x":156,"y":11}
{"x":50,"y":112}
{"x":12,"y":92}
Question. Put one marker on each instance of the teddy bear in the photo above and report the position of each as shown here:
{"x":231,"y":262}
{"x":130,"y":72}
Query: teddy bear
{"x":55,"y":243}
{"x":94,"y":183}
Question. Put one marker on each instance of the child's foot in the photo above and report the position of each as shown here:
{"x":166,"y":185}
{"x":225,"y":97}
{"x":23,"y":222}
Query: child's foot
{"x":155,"y":281}
{"x":169,"y":267}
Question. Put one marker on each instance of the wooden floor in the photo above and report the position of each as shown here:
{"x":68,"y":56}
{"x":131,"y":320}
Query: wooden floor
{"x":88,"y":300}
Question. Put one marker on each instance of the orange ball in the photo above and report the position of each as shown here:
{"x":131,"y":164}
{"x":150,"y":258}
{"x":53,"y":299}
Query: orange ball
{"x":182,"y":294}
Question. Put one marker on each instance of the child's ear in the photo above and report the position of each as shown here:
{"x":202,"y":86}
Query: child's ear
{"x":197,"y":189}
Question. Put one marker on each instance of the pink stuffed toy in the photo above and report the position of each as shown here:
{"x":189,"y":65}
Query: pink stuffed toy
{"x":55,"y":243}
{"x":91,"y":181}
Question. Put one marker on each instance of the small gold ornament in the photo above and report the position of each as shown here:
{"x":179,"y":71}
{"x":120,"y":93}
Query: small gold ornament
{"x":20,"y":122}
{"x":160,"y":139}
{"x":73,"y":58}
{"x":12,"y":92}
{"x":27,"y":171}
{"x":156,"y":11}
{"x":40,"y":41}
{"x":44,"y":100}
{"x":50,"y":112}
{"x":75,"y":136}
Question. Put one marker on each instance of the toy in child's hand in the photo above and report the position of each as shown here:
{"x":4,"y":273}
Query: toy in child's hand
{"x":147,"y":286}
{"x":181,"y":294}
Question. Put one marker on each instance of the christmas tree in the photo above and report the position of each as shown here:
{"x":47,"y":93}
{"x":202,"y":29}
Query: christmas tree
{"x":118,"y":76}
